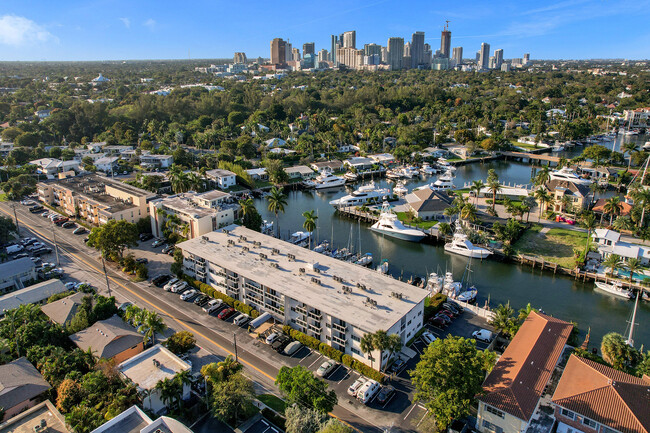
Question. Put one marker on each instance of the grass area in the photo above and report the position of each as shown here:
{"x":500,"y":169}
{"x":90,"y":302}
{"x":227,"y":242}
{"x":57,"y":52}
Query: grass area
{"x":424,"y":225}
{"x":235,"y":188}
{"x":554,"y":246}
{"x":3,"y":197}
{"x":275,"y":403}
{"x":524,"y":145}
{"x":262,"y":184}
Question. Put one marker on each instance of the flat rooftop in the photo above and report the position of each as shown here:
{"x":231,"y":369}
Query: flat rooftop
{"x":146,"y":373}
{"x":94,"y":187}
{"x":27,"y":421}
{"x":212,"y":195}
{"x":185,"y":206}
{"x":350,"y":305}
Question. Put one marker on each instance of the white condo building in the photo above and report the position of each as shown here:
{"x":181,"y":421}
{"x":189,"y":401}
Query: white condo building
{"x":334,"y":301}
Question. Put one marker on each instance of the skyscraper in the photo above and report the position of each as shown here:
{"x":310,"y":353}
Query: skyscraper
{"x":371,"y":49}
{"x":417,"y":49}
{"x":526,"y":58}
{"x":395,"y":53}
{"x":323,"y":55}
{"x":350,"y":57}
{"x":350,"y":39}
{"x":308,"y":48}
{"x":288,"y":52}
{"x":335,"y":46}
{"x":484,"y":56}
{"x":278,"y":51}
{"x":295,"y":54}
{"x":498,"y":58}
{"x":457,"y":57}
{"x":240,"y":58}
{"x":445,"y":41}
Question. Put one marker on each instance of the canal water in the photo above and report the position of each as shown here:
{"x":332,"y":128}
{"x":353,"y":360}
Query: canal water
{"x":497,"y":282}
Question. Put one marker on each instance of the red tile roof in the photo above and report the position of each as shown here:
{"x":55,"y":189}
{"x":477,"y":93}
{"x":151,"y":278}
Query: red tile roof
{"x":519,"y":377}
{"x":611,"y":397}
{"x":599,"y":207}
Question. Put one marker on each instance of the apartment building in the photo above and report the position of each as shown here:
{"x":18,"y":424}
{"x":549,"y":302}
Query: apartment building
{"x":334,"y":301}
{"x":96,"y":199}
{"x":198,"y":213}
{"x":223,"y":179}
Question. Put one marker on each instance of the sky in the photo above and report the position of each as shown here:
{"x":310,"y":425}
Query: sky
{"x":207,"y":29}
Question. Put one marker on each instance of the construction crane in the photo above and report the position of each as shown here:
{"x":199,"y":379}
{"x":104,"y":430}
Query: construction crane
{"x":447,"y":25}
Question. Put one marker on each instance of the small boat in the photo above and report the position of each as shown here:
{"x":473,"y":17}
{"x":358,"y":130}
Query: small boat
{"x":427,"y":170}
{"x":409,"y":172}
{"x":449,"y":286}
{"x":442,"y":162}
{"x":631,"y":132}
{"x":557,"y":148}
{"x":361,"y":196}
{"x":323,"y":247}
{"x":383,"y":268}
{"x":400,"y":189}
{"x":615,"y":288}
{"x":390,"y":225}
{"x":468,"y":295}
{"x":299,"y":238}
{"x":566,"y":173}
{"x":267,"y":227}
{"x":364,"y":260}
{"x":459,"y":244}
{"x":646,"y":146}
{"x":394,"y":174}
{"x":351,"y":176}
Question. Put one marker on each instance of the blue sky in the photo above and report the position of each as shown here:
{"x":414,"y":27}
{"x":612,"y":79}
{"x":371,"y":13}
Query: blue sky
{"x":163,"y":29}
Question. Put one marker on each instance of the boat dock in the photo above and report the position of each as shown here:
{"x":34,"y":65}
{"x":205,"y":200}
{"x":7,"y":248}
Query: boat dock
{"x":371,"y":218}
{"x":531,"y":157}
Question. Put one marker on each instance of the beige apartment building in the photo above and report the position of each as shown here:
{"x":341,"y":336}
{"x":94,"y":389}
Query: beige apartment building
{"x":96,"y":199}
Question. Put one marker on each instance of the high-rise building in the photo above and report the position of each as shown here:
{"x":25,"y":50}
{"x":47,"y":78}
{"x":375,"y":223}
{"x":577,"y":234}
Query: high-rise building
{"x":308,"y":48}
{"x":384,"y":54}
{"x":428,"y":55}
{"x":349,"y":39}
{"x":484,"y":56}
{"x":395,"y":53}
{"x":335,"y":45}
{"x":417,"y":49}
{"x":323,"y":55}
{"x":278,"y":51}
{"x":407,"y":50}
{"x":288,"y":52}
{"x":350,"y":57}
{"x":457,"y":57}
{"x":240,"y":58}
{"x":505,"y":67}
{"x":498,"y":58}
{"x":371,"y":49}
{"x":526,"y":58}
{"x":492,"y":63}
{"x":445,"y":42}
{"x":295,"y":53}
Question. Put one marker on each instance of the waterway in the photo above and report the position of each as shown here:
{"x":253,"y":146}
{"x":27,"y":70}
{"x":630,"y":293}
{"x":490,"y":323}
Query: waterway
{"x":498,"y":283}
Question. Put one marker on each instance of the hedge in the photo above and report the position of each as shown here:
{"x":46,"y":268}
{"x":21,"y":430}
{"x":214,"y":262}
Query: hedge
{"x":211,"y":291}
{"x":433,"y":305}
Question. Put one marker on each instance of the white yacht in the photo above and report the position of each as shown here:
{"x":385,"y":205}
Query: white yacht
{"x":615,"y":288}
{"x":409,"y":172}
{"x":444,"y":182}
{"x":427,"y":170}
{"x":389,"y":225}
{"x":364,"y":260}
{"x":400,"y":189}
{"x":267,"y":227}
{"x":566,"y":173}
{"x":459,"y":244}
{"x":394,"y":174}
{"x":646,"y":146}
{"x":299,"y":238}
{"x":446,"y":165}
{"x":351,"y":176}
{"x":326,"y":180}
{"x":361,"y":196}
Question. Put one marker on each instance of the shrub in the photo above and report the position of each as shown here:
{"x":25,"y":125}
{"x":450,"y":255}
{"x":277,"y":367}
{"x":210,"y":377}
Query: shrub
{"x":347,"y":360}
{"x":367,"y":371}
{"x":433,"y":304}
{"x":330,"y":352}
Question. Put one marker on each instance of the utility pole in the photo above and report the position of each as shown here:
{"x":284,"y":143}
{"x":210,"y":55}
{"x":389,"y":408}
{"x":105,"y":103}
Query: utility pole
{"x":235,"y":338}
{"x":56,"y":246}
{"x":108,"y":286}
{"x":13,"y":206}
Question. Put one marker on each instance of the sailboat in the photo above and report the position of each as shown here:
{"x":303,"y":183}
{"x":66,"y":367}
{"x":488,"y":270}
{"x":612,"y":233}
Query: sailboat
{"x":630,"y":335}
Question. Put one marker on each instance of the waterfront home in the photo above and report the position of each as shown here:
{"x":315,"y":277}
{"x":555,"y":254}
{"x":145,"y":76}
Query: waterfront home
{"x":577,"y":195}
{"x":43,"y":417}
{"x":384,"y":159}
{"x":514,"y":387}
{"x":223,"y":179}
{"x":609,"y":242}
{"x":594,"y":398}
{"x":333,"y":165}
{"x":428,"y":204}
{"x":258,"y":173}
{"x":21,"y":387}
{"x":134,"y":420}
{"x":300,"y":172}
{"x":34,"y":294}
{"x":599,"y":209}
{"x":15,"y":273}
{"x":359,"y":163}
{"x":110,"y":339}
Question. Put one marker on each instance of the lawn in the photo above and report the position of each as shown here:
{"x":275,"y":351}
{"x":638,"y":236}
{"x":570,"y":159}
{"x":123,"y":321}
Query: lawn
{"x":424,"y":225}
{"x":275,"y":403}
{"x":554,"y":246}
{"x":3,"y":197}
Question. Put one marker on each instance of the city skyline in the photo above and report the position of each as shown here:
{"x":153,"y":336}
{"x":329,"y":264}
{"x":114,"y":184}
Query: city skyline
{"x":102,"y":30}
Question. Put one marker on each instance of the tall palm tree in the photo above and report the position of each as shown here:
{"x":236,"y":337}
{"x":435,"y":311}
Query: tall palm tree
{"x":178,"y":179}
{"x":642,"y":197}
{"x":613,"y":262}
{"x":633,"y":265}
{"x":503,"y":320}
{"x":310,"y":223}
{"x":182,"y":378}
{"x":543,"y":176}
{"x":590,"y":224}
{"x":468,"y":212}
{"x":494,"y":187}
{"x":630,"y":147}
{"x":476,"y":188}
{"x":616,"y":351}
{"x":394,"y":343}
{"x":168,"y":390}
{"x":596,"y":188}
{"x":228,"y":367}
{"x":367,"y":345}
{"x":543,"y":198}
{"x":246,"y":205}
{"x":152,"y":324}
{"x":612,"y":208}
{"x":277,"y":202}
{"x":195,"y":181}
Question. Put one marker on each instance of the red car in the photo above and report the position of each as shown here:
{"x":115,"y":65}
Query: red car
{"x":223,"y":315}
{"x":438,"y":321}
{"x":445,"y":313}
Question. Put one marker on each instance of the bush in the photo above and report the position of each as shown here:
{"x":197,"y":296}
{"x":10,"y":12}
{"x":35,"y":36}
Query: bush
{"x":433,"y":304}
{"x":347,"y":360}
{"x":367,"y":371}
{"x":211,"y":291}
{"x":180,"y":342}
{"x":330,"y":352}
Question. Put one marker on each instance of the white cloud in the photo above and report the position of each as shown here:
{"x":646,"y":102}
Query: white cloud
{"x":17,"y":31}
{"x":126,"y":22}
{"x":151,"y":23}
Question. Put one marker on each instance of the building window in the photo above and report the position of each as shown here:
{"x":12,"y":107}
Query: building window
{"x":355,"y":338}
{"x":590,"y":423}
{"x":494,"y":411}
{"x":491,"y":427}
{"x":567,"y":413}
{"x":355,"y":351}
{"x":605,"y":429}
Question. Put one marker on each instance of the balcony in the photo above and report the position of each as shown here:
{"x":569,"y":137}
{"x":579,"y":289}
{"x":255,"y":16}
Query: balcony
{"x":300,"y":322}
{"x":315,"y":316}
{"x":340,"y":328}
{"x":338,"y":340}
{"x":301,"y":310}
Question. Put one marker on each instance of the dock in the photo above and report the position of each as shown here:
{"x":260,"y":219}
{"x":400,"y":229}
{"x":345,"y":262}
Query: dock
{"x":531,"y":157}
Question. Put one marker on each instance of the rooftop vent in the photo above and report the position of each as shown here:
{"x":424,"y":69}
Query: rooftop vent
{"x":301,"y":270}
{"x":396,"y":295}
{"x":337,"y":279}
{"x":231,"y":242}
{"x":275,"y":265}
{"x":291,"y":257}
{"x":370,"y":302}
{"x":245,"y":249}
{"x":226,"y":231}
{"x":315,"y":280}
{"x":263,"y":256}
{"x":257,"y":244}
{"x":346,"y":289}
{"x":242,"y":238}
{"x":156,"y":363}
{"x":205,"y":238}
{"x":275,"y":251}
{"x":317,"y":270}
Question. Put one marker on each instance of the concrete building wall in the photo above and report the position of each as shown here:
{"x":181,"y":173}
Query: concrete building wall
{"x":489,"y":422}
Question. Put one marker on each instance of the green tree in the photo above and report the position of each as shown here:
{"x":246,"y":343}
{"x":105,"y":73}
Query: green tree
{"x":335,"y":426}
{"x":114,"y":237}
{"x":494,"y":186}
{"x":543,"y":176}
{"x":181,"y":342}
{"x":613,"y":262}
{"x":630,"y":148}
{"x":303,"y":419}
{"x":476,"y":188}
{"x":276,"y":172}
{"x":504,"y":321}
{"x":7,"y":227}
{"x":617,"y":352}
{"x":310,"y":223}
{"x":543,"y":198}
{"x":231,"y":398}
{"x":589,"y":221}
{"x":177,"y":266}
{"x":151,"y":325}
{"x":367,"y":345}
{"x":612,"y":208}
{"x":277,"y":203}
{"x":220,"y":371}
{"x":633,"y":265}
{"x":299,"y":385}
{"x":448,"y":377}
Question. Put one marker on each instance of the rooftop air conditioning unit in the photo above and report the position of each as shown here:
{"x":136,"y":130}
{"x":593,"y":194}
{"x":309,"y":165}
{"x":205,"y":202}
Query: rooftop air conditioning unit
{"x":291,"y":257}
{"x":226,"y":231}
{"x":301,"y":270}
{"x":263,"y":256}
{"x":315,"y":280}
{"x":242,"y":238}
{"x":257,"y":244}
{"x":244,"y":249}
{"x":275,"y":251}
{"x":275,"y":265}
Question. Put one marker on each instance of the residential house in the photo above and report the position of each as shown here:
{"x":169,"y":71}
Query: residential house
{"x":223,"y":179}
{"x":5,"y":148}
{"x":359,"y":163}
{"x":115,"y":149}
{"x":96,"y":198}
{"x":568,"y":197}
{"x":384,"y":159}
{"x":258,"y":173}
{"x":15,"y":273}
{"x":515,"y":385}
{"x":111,"y":339}
{"x":148,"y":368}
{"x":134,"y":420}
{"x":275,"y":142}
{"x":599,"y":209}
{"x":34,"y":294}
{"x":428,"y":204}
{"x":637,"y":118}
{"x":44,"y":417}
{"x":158,"y":161}
{"x":21,"y":386}
{"x":107,"y":164}
{"x":43,"y":114}
{"x":594,"y":398}
{"x":63,"y":310}
{"x":609,"y":242}
{"x":346,"y":148}
{"x":281,"y":151}
{"x":333,"y":165}
{"x":300,"y":172}
{"x":96,"y":147}
{"x":606,"y":237}
{"x":52,"y":166}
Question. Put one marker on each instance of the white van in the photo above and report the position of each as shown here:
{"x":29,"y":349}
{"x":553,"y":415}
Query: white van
{"x":241,"y":319}
{"x":292,"y":348}
{"x":368,"y":391}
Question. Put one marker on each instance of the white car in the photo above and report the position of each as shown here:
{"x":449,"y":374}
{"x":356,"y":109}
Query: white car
{"x":326,"y":368}
{"x":70,"y":285}
{"x":179,"y":287}
{"x":272,"y":337}
{"x":428,"y":337}
{"x":189,"y":294}
{"x":171,"y":284}
{"x":354,"y":388}
{"x":212,"y":305}
{"x":483,"y":335}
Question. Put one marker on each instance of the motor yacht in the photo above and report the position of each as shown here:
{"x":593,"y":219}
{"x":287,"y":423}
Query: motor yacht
{"x":351,"y":176}
{"x":400,"y":189}
{"x":299,"y":238}
{"x":444,"y":182}
{"x":361,"y":196}
{"x":409,"y":172}
{"x":567,"y":174}
{"x":442,"y":162}
{"x":390,"y":225}
{"x":459,"y":244}
{"x":394,"y":174}
{"x":326,"y":180}
{"x":427,"y":170}
{"x":615,"y":288}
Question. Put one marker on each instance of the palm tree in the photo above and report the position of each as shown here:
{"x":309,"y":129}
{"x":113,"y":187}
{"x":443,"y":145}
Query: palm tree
{"x":633,"y":265}
{"x":195,"y":181}
{"x":630,"y":147}
{"x":310,"y":223}
{"x":277,"y":201}
{"x":503,"y":320}
{"x":590,"y":224}
{"x":444,"y":229}
{"x":151,"y":324}
{"x":367,"y":345}
{"x":543,"y":198}
{"x":543,"y":176}
{"x":494,"y":187}
{"x":596,"y":188}
{"x":182,"y":378}
{"x":616,"y":351}
{"x":168,"y":390}
{"x":228,"y":367}
{"x":177,"y":178}
{"x":642,"y":197}
{"x":468,"y":212}
{"x":613,"y":262}
{"x":612,"y":207}
{"x":246,"y":205}
{"x":476,"y":188}
{"x":394,"y":344}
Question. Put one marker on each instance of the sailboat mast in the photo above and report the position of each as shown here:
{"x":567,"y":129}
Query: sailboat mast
{"x":630,"y":339}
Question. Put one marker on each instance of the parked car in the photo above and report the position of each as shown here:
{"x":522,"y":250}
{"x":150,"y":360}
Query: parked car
{"x":70,"y":285}
{"x":68,"y":225}
{"x":145,"y":236}
{"x":142,"y":260}
{"x":42,"y":251}
{"x":161,"y":280}
{"x":326,"y":368}
{"x":241,"y":319}
{"x":189,"y":295}
{"x":13,"y":249}
{"x":46,"y":214}
{"x":453,"y":306}
{"x":170,"y":283}
{"x":292,"y":348}
{"x":447,"y":313}
{"x":279,"y":344}
{"x":20,"y":255}
{"x":354,"y":388}
{"x":385,"y":394}
{"x":226,"y":313}
{"x":60,"y":221}
{"x":167,"y":249}
{"x":438,"y":321}
{"x":201,"y":300}
{"x":37,"y":208}
{"x":79,"y":231}
{"x":428,"y":337}
{"x":368,"y":391}
{"x":27,"y":203}
{"x":212,"y":305}
{"x":483,"y":335}
{"x":396,"y":366}
{"x":157,"y":243}
{"x":179,"y":287}
{"x":444,"y":318}
{"x":272,"y":337}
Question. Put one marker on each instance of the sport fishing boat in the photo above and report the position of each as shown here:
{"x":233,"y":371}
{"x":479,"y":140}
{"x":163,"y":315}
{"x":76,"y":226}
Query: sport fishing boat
{"x":390,"y":225}
{"x":459,"y":244}
{"x":442,"y":162}
{"x":361,"y":196}
{"x":351,"y":176}
{"x":409,"y":172}
{"x":400,"y":189}
{"x":443,"y":183}
{"x":615,"y":288}
{"x":427,"y":170}
{"x":299,"y":238}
